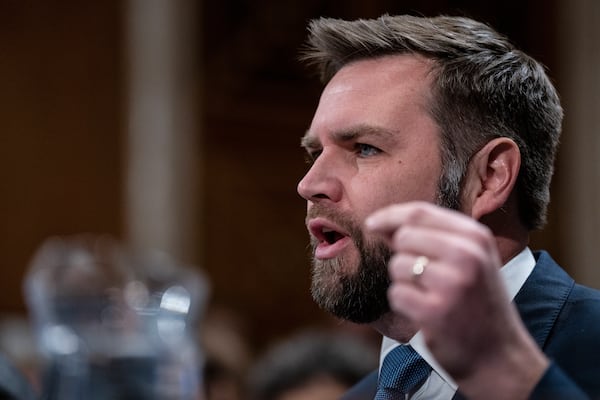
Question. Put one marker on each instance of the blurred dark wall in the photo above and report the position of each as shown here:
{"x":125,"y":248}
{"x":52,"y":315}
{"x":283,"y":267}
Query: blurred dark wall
{"x":60,"y":129}
{"x":62,"y":135}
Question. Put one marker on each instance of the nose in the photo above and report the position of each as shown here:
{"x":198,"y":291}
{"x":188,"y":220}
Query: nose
{"x":321,"y":182}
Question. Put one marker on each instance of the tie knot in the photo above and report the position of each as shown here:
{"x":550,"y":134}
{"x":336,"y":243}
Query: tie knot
{"x":402,"y":370}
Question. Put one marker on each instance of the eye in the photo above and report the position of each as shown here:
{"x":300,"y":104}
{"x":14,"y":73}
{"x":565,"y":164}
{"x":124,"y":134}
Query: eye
{"x":311,"y":155}
{"x":366,"y":150}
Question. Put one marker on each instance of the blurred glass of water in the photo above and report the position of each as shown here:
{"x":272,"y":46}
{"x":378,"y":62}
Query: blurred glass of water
{"x":115,"y":324}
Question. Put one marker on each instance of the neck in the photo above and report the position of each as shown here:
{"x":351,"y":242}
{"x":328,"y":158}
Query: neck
{"x":395,"y":326}
{"x":511,"y":236}
{"x":509,"y":247}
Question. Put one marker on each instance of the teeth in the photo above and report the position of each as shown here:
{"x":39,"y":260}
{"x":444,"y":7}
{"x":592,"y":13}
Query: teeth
{"x":327,"y":230}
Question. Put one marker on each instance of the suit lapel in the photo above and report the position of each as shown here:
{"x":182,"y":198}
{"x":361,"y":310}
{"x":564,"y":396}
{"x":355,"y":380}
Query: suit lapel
{"x":543,"y":296}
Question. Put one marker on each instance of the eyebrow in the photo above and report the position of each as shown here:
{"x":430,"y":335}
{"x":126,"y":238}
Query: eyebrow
{"x":350,"y":134}
{"x":310,"y":142}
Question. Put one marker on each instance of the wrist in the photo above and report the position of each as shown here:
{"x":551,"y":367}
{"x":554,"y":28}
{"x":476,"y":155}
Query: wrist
{"x":510,"y":374}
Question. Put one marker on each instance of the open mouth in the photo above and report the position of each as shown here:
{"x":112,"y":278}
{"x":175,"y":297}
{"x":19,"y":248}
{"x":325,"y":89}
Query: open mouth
{"x":331,"y":238}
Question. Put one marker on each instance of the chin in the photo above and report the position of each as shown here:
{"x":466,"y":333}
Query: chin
{"x":327,"y":274}
{"x":348,"y":295}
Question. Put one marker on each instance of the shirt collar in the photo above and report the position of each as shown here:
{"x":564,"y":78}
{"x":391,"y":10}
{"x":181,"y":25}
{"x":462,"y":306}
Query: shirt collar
{"x":514,"y":274}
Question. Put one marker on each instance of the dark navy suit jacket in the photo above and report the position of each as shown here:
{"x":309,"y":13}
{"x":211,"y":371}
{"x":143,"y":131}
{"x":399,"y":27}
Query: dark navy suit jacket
{"x":564,"y":319}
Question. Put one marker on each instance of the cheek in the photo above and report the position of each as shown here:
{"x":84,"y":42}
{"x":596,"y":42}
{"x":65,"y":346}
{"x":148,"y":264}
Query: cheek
{"x":388,"y":188}
{"x":376,"y":193}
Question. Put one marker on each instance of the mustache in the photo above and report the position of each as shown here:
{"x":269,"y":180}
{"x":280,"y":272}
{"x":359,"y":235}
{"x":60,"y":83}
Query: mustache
{"x":335,"y":216}
{"x":343,"y":220}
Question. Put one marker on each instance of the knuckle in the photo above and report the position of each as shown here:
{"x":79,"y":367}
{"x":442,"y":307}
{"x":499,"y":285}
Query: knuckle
{"x":399,"y":238}
{"x":417,"y":214}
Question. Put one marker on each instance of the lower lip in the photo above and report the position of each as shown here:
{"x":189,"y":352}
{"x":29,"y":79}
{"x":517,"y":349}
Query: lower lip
{"x":325,"y":250}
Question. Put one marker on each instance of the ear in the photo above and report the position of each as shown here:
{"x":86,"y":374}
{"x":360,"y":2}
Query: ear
{"x":491,"y":176}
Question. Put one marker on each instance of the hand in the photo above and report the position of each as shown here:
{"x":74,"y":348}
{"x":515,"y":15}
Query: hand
{"x":459,"y":302}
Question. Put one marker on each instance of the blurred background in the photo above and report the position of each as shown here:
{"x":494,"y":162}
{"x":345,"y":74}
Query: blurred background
{"x":175,"y":124}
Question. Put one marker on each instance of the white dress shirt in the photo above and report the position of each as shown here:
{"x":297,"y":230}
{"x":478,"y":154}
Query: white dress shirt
{"x":440,"y":385}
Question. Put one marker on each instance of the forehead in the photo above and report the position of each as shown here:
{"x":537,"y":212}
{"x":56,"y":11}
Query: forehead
{"x":389,"y":72}
{"x":390,"y":92}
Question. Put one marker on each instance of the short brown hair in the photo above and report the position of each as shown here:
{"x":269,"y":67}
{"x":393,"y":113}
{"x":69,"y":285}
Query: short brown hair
{"x":483,"y":88}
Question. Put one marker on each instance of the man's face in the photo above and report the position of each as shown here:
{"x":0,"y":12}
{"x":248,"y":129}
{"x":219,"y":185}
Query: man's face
{"x":371,"y":143}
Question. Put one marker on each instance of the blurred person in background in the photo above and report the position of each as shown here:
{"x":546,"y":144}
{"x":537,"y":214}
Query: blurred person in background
{"x":310,"y":366}
{"x":227,"y":354}
{"x":431,"y":154}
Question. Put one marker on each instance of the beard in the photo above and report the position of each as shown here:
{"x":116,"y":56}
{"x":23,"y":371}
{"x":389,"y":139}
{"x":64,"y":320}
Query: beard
{"x":359,"y":294}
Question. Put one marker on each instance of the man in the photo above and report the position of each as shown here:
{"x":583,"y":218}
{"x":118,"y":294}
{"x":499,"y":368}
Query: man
{"x":431,"y":152}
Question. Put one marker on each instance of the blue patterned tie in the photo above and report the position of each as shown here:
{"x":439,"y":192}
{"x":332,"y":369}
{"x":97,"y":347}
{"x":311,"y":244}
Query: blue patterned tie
{"x":402,"y":370}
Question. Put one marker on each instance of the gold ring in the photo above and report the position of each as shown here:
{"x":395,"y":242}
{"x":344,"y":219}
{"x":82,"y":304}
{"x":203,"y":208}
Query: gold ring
{"x":419,"y":266}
